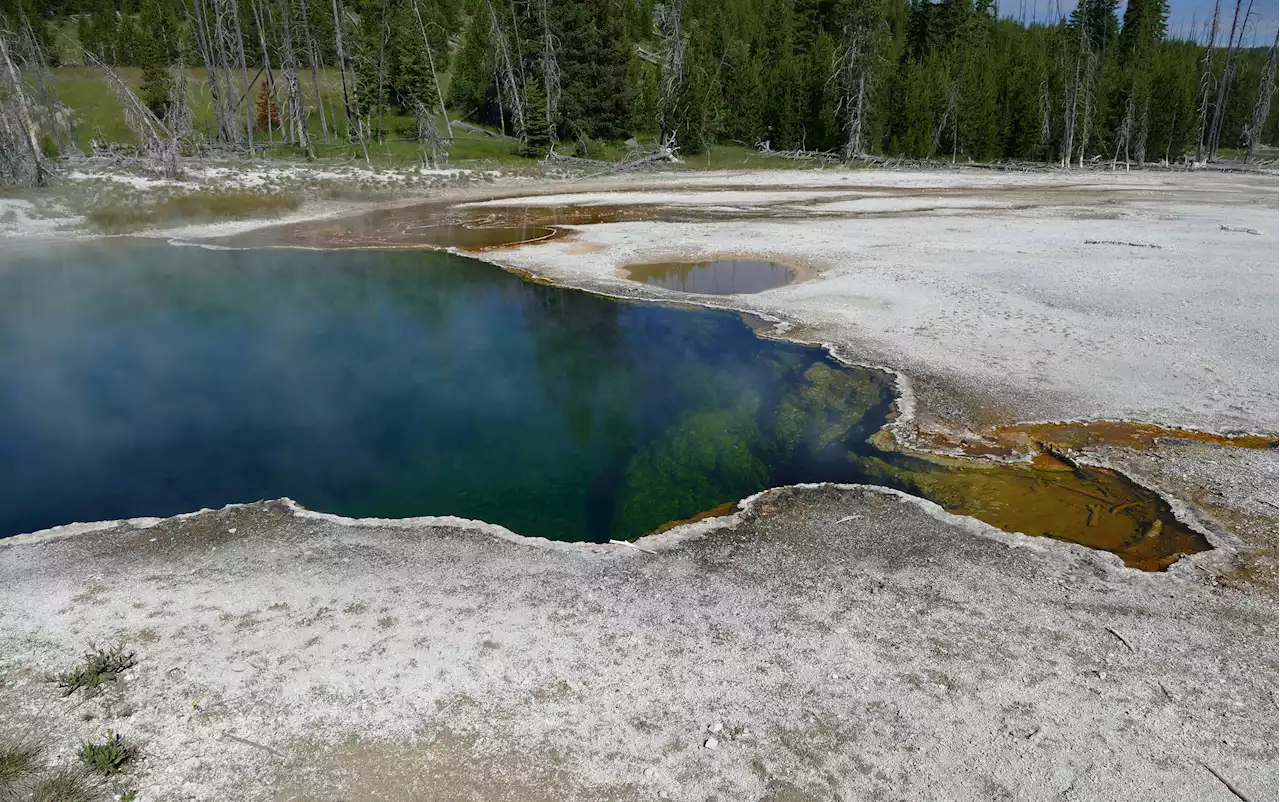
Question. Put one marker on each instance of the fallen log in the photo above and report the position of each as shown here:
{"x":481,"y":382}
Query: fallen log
{"x":638,"y":159}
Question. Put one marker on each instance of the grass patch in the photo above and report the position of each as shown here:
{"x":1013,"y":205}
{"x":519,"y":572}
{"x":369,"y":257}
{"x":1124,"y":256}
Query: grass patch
{"x":196,"y":207}
{"x":24,"y":779}
{"x":66,"y":785}
{"x":16,"y":764}
{"x":740,"y":157}
{"x":96,"y":670}
{"x":106,"y":758}
{"x":98,"y":113}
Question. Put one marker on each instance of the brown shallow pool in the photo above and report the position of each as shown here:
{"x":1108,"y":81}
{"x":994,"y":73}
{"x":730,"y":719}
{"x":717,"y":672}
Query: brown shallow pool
{"x":717,"y":277}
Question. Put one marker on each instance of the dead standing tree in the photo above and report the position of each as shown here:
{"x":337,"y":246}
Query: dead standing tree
{"x":314,"y":60}
{"x":667,"y":19}
{"x":215,"y":26}
{"x":157,"y":141}
{"x":1088,"y":99}
{"x":1046,"y":116}
{"x":345,"y":69}
{"x":293,"y":89}
{"x":852,"y":74}
{"x":268,"y":84}
{"x":1228,"y":75}
{"x":1261,"y":106}
{"x":1071,"y":91}
{"x":234,"y":37}
{"x":431,"y":62}
{"x":1207,"y":83}
{"x":1080,"y":92}
{"x":550,"y":71}
{"x":177,"y":116}
{"x":510,"y":72}
{"x":51,"y":116}
{"x":21,"y":160}
{"x":431,"y":146}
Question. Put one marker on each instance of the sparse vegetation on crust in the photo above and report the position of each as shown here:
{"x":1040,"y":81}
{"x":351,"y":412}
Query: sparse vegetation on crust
{"x":106,"y":758}
{"x":24,"y":779}
{"x":16,"y":763}
{"x":66,"y":785}
{"x":196,"y":207}
{"x":98,"y":667}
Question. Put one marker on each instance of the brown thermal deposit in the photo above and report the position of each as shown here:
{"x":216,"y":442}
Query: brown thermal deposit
{"x":1053,"y":496}
{"x":1023,"y":438}
{"x":445,"y":225}
{"x":727,"y":276}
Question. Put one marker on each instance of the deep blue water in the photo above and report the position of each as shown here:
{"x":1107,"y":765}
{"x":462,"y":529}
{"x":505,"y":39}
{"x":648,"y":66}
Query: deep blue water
{"x":141,"y":379}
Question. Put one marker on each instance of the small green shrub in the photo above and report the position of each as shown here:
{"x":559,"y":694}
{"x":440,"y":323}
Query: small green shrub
{"x":49,"y":148}
{"x":98,"y":667}
{"x":106,"y":758}
{"x":66,"y":785}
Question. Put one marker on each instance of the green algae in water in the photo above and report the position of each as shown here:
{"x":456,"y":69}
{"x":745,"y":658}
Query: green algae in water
{"x":148,"y":380}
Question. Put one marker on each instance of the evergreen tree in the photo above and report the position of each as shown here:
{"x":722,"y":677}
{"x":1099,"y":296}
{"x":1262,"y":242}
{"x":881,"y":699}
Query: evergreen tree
{"x":154,"y":54}
{"x":609,"y":107}
{"x":537,"y":139}
{"x":915,"y":78}
{"x":743,"y":94}
{"x":1145,"y":24}
{"x":473,"y":66}
{"x":370,"y":39}
{"x":411,"y":78}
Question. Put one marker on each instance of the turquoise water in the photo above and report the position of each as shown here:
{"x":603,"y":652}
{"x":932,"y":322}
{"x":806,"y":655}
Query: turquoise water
{"x":148,"y":380}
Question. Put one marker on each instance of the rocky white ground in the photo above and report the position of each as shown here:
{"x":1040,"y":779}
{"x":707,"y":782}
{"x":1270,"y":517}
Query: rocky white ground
{"x":836,"y":643}
{"x":1022,"y":296}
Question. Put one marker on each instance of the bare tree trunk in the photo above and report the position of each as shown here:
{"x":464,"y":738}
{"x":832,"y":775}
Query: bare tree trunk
{"x":1046,"y":126}
{"x":244,"y":70}
{"x":61,"y":125}
{"x":852,"y":67}
{"x":297,"y":109}
{"x":384,"y":33}
{"x":178,"y":117}
{"x":266,"y":61}
{"x":508,"y":83}
{"x":342,"y":69}
{"x":27,"y":132}
{"x":948,"y":117}
{"x":1090,"y":72}
{"x":669,"y":22}
{"x":159,"y":141}
{"x":1206,"y":84}
{"x":226,"y":53}
{"x":1219,"y":106}
{"x":279,"y":88}
{"x":1124,"y":134}
{"x":434,"y":76}
{"x":550,"y":73}
{"x":314,"y":60}
{"x":1140,"y":135}
{"x":1073,"y":97}
{"x":1262,"y":106}
{"x":198,"y":16}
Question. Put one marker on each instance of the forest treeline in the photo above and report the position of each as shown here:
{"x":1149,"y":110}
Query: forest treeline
{"x":851,"y":78}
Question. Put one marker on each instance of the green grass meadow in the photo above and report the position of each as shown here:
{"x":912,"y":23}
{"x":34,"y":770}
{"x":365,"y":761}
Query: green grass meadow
{"x":98,"y":113}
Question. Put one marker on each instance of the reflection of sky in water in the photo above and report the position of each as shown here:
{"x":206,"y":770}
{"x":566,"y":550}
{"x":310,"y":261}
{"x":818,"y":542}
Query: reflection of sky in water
{"x":152,"y":380}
